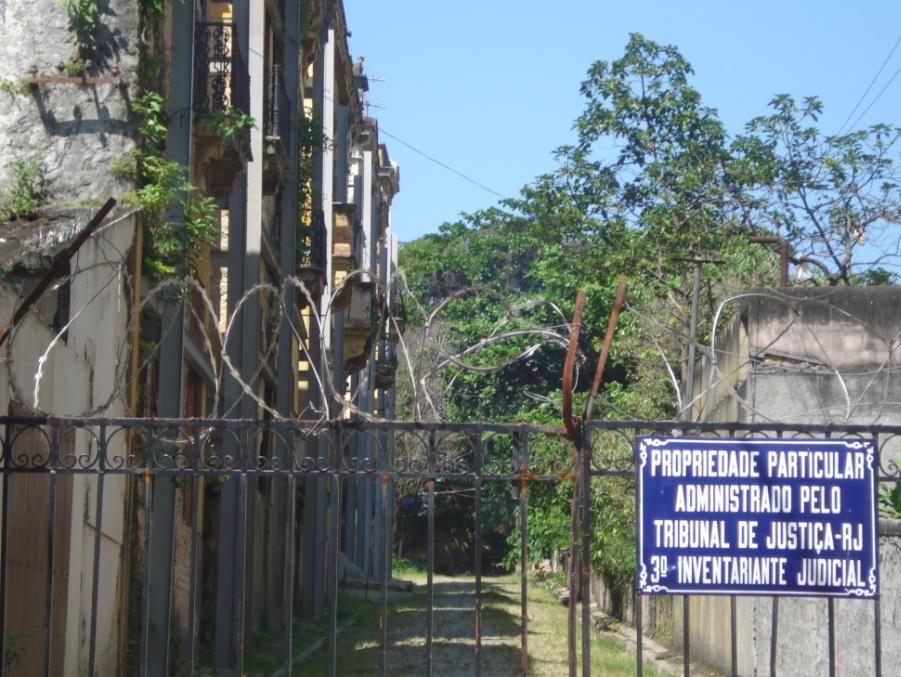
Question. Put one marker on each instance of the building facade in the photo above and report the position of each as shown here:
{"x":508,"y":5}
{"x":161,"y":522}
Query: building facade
{"x":247,"y":272}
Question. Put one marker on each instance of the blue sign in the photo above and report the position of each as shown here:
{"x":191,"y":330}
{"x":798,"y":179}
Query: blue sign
{"x":757,"y":517}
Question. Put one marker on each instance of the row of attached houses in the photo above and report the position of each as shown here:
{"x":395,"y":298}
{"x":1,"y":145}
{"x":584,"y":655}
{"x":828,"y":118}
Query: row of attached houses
{"x":258,"y":105}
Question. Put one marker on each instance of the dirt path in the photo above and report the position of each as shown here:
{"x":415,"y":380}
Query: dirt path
{"x":453,"y":643}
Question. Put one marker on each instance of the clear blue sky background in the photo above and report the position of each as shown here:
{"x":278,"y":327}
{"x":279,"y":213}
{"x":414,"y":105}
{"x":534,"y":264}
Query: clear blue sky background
{"x":491,"y":87}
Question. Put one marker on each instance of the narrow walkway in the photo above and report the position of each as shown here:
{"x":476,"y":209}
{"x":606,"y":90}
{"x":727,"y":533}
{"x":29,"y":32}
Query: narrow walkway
{"x":453,"y":644}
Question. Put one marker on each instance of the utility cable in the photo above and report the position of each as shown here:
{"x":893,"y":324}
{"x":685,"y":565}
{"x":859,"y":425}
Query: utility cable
{"x":881,"y":92}
{"x":870,"y":86}
{"x":438,"y":162}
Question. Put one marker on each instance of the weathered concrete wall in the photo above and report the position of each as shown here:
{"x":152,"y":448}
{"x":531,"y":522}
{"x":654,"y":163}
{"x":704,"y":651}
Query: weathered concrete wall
{"x":80,"y":374}
{"x":77,"y":131}
{"x":806,"y":356}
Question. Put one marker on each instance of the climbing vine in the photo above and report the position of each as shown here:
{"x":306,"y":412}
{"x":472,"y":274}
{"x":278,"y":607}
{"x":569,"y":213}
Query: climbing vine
{"x":163,"y":186}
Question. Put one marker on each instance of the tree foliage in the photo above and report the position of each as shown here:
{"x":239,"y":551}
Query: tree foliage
{"x":651,"y":185}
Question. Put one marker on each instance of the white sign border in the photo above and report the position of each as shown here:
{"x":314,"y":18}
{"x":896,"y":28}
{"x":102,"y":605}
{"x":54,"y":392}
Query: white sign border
{"x":869,"y":592}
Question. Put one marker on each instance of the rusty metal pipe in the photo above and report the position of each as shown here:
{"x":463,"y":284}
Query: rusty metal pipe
{"x":605,"y":349}
{"x":571,"y":425}
{"x":57,"y":268}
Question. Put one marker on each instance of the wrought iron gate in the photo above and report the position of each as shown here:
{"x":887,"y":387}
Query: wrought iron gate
{"x":118,"y":469}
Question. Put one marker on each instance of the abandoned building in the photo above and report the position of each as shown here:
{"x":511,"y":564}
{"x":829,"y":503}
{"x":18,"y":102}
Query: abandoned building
{"x":247,"y":271}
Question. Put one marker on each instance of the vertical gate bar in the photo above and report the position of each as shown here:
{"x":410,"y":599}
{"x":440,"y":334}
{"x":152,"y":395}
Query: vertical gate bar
{"x":774,"y":622}
{"x":585,"y":584}
{"x":7,"y":463}
{"x":774,"y":634}
{"x":430,"y":555}
{"x":478,"y":461}
{"x":831,"y":609}
{"x":522,"y":440}
{"x":733,"y":632}
{"x":733,"y":615}
{"x":830,"y":606}
{"x":195,"y":507}
{"x":685,"y":638}
{"x":386,"y":566}
{"x":877,"y":638}
{"x":290,"y":546}
{"x":639,"y":630}
{"x":241,"y":564}
{"x":148,"y":526}
{"x":334,"y":534}
{"x":877,"y":616}
{"x":572,"y":582}
{"x":98,"y":528}
{"x":51,"y":529}
{"x":246,"y":459}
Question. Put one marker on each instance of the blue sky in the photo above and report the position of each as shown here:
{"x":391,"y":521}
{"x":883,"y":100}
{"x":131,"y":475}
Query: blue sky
{"x":490,"y":88}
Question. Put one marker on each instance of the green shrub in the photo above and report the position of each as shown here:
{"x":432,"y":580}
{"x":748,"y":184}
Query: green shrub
{"x":25,"y":191}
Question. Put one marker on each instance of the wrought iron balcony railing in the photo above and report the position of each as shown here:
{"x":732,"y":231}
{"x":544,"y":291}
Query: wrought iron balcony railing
{"x":220,"y":74}
{"x":315,"y":255}
{"x":277,"y":120}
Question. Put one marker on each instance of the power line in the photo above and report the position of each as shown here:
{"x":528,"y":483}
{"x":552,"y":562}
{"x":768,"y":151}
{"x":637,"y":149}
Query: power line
{"x":870,"y":86}
{"x":438,"y":162}
{"x":881,"y":92}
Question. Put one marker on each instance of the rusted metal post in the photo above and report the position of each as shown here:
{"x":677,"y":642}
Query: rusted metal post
{"x":569,"y":363}
{"x":605,"y":349}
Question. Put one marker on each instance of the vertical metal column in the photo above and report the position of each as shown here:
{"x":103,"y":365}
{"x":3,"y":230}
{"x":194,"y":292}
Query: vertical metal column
{"x":178,"y":148}
{"x":51,"y":529}
{"x":384,"y":573}
{"x":334,"y":547}
{"x":639,"y":630}
{"x":522,"y":446}
{"x":149,"y":479}
{"x":479,"y":456}
{"x":430,"y":555}
{"x":4,"y":526}
{"x":877,"y":617}
{"x":329,"y":329}
{"x":239,"y":609}
{"x":585,"y":584}
{"x":195,"y":526}
{"x":830,"y":606}
{"x":287,"y":373}
{"x":98,"y":528}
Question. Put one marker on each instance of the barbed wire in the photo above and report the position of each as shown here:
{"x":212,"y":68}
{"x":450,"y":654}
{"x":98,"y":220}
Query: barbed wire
{"x":515,"y":329}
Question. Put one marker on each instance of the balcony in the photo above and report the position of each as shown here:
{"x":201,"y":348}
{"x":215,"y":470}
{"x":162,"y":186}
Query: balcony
{"x":397,"y":310}
{"x":360,"y":327}
{"x":221,"y":87}
{"x":312,"y":255}
{"x":385,"y":363}
{"x":276,"y":130}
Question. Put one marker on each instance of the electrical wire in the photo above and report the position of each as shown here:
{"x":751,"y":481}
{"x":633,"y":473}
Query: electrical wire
{"x":438,"y":162}
{"x":870,"y":86}
{"x":881,"y":92}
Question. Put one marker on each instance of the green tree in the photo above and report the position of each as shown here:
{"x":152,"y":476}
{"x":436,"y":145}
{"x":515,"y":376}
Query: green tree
{"x":651,"y":183}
